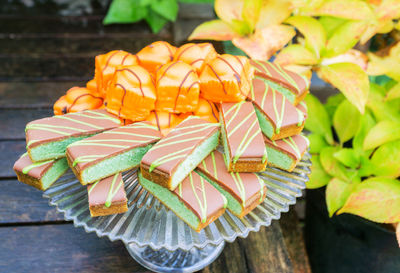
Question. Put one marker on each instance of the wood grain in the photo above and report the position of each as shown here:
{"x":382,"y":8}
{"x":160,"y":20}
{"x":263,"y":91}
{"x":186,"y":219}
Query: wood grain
{"x":10,"y":151}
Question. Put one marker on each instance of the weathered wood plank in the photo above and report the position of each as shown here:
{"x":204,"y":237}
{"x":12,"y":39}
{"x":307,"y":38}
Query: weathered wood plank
{"x":294,"y":240}
{"x":33,"y":94}
{"x":20,"y":203}
{"x":13,"y":121}
{"x":61,"y":248}
{"x":10,"y":151}
{"x":265,"y":250}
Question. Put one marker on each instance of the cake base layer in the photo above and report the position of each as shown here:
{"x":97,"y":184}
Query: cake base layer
{"x":102,"y":210}
{"x":247,"y":166}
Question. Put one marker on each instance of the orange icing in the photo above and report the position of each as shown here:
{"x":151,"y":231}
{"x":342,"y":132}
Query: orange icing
{"x":177,"y":87}
{"x":155,"y":55}
{"x":92,"y":86}
{"x":226,"y":78}
{"x":131,"y":94}
{"x":207,"y":110}
{"x":197,"y":55}
{"x":77,"y":99}
{"x":164,"y":121}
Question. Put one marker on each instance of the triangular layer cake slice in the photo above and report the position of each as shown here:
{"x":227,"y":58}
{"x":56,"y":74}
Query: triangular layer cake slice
{"x":176,"y":155}
{"x":195,"y":200}
{"x":242,"y":138}
{"x":277,"y":116}
{"x":107,"y":196}
{"x":292,"y":85}
{"x":111,"y":152}
{"x":244,"y":191}
{"x":286,"y":153}
{"x":47,"y":138}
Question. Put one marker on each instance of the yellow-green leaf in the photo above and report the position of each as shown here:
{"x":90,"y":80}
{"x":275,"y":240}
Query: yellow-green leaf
{"x":383,"y":132}
{"x":213,"y":30}
{"x":347,"y":9}
{"x":317,"y":143}
{"x":346,"y":121}
{"x":330,"y":24}
{"x":265,"y":42}
{"x":251,"y":12}
{"x":274,"y":12}
{"x":376,"y":199}
{"x":296,"y":54}
{"x":337,"y":193}
{"x":347,"y":157}
{"x":318,"y":176}
{"x":393,"y":93}
{"x":318,"y":120}
{"x":367,"y":122}
{"x":312,"y":30}
{"x":331,"y":165}
{"x":389,"y":65}
{"x":350,"y":79}
{"x":344,"y":38}
{"x":228,"y":10}
{"x":351,"y":56}
{"x":386,"y":160}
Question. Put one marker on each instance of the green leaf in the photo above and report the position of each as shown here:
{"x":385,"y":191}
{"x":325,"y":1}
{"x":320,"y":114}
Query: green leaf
{"x":317,"y":143}
{"x":347,"y":157}
{"x":393,"y":93}
{"x":337,"y":193}
{"x":295,"y":54}
{"x":366,"y":167}
{"x":376,"y":199}
{"x":318,"y":176}
{"x":196,"y":1}
{"x":386,"y":160}
{"x":346,"y":121}
{"x":251,"y":12}
{"x":383,"y":132}
{"x":350,"y":79}
{"x":155,"y":21}
{"x":382,"y":110}
{"x":318,"y":120}
{"x":332,"y":166}
{"x":124,"y":11}
{"x":166,"y":8}
{"x":332,"y":103}
{"x":345,"y":37}
{"x":213,"y":30}
{"x":145,"y":2}
{"x":330,"y":24}
{"x":366,"y":123}
{"x":312,"y":30}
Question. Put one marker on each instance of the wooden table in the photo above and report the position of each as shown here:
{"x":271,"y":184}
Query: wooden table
{"x":42,"y":55}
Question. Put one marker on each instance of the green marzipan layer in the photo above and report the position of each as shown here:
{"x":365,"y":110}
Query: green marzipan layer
{"x":284,"y":91}
{"x":233,"y":205}
{"x":279,"y":159}
{"x":194,"y":159}
{"x":58,"y":169}
{"x":170,"y":200}
{"x":54,"y":149}
{"x":265,"y":124}
{"x":224,"y":139}
{"x":113,"y":165}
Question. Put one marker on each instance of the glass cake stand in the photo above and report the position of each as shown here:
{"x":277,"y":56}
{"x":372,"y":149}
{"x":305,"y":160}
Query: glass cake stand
{"x":156,"y":238}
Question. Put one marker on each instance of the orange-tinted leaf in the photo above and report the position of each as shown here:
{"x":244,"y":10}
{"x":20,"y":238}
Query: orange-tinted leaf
{"x":376,"y":199}
{"x":228,"y":10}
{"x":348,"y":9}
{"x":350,"y":79}
{"x":265,"y":42}
{"x":213,"y":30}
{"x":274,"y":12}
{"x":337,"y":193}
{"x":388,"y":9}
{"x":352,"y":56}
{"x":296,"y":54}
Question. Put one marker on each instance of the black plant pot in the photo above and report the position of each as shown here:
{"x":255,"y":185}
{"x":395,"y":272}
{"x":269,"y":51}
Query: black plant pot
{"x":347,"y":243}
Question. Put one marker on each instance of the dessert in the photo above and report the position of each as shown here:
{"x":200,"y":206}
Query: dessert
{"x":206,"y":110}
{"x":195,"y":201}
{"x":177,"y":87}
{"x":169,"y":161}
{"x":107,"y":196}
{"x":105,"y":65}
{"x":47,"y":138}
{"x":164,"y":121}
{"x":77,"y":99}
{"x":111,"y":152}
{"x":242,"y":138}
{"x":154,"y":55}
{"x":131,"y":93}
{"x":278,"y":118}
{"x":287,"y":152}
{"x":292,"y":85}
{"x":302,"y":106}
{"x":196,"y":55}
{"x":226,"y":78}
{"x":244,"y":191}
{"x":40,"y":175}
{"x":92,"y":86}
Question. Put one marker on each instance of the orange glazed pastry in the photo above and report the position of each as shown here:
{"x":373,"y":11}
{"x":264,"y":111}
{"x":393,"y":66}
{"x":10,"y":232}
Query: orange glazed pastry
{"x":207,"y":110}
{"x":155,"y":55}
{"x":131,"y":94}
{"x":226,"y":78}
{"x":105,"y":67}
{"x":177,"y":88}
{"x":197,"y":55}
{"x":92,"y":86}
{"x":75,"y":100}
{"x":164,"y":121}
